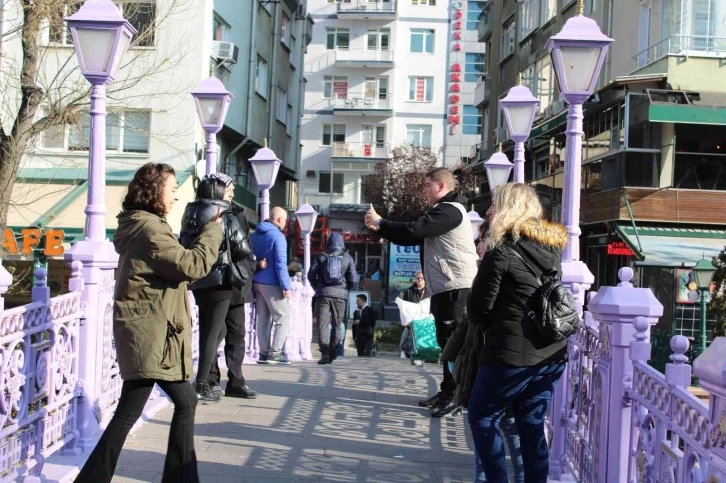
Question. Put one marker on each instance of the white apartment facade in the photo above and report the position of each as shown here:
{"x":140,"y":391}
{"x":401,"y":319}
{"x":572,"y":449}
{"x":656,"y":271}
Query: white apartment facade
{"x":377,"y":79}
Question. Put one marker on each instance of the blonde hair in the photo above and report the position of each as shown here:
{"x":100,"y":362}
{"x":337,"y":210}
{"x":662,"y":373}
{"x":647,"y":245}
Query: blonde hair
{"x":514,"y":204}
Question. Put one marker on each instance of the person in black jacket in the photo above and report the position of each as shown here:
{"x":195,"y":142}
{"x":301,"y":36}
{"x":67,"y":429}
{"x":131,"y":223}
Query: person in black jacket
{"x":519,"y":367}
{"x":364,"y":324}
{"x":332,"y":274}
{"x":213,"y":293}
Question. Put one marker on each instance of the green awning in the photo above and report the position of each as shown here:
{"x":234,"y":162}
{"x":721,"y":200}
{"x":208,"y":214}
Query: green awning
{"x":671,"y":247}
{"x":549,"y":125}
{"x":678,"y":113}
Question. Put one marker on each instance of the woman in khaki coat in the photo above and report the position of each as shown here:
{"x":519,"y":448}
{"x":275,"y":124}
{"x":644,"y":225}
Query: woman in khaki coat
{"x":152,"y":322}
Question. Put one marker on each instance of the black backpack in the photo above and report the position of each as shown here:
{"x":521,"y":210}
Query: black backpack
{"x":551,"y":309}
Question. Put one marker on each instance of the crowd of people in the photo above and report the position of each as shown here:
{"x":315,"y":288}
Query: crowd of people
{"x":496,"y":363}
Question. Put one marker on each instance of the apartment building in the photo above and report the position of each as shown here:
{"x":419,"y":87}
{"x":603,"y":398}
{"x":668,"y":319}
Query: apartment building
{"x":654,"y":160}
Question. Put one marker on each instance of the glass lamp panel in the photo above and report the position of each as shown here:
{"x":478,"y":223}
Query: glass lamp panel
{"x":499,"y":175}
{"x":123,"y":46}
{"x":264,"y":170}
{"x":578,"y":66}
{"x":520,"y":118}
{"x":306,"y":222}
{"x":704,"y":276}
{"x":211,"y":108}
{"x":95,"y":46}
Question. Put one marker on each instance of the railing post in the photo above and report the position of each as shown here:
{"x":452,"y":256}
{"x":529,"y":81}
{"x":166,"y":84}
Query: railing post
{"x":615,"y":309}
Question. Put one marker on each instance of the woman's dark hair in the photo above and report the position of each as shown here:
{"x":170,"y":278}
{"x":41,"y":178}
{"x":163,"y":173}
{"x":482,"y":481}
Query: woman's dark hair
{"x":147,"y":188}
{"x":211,"y":189}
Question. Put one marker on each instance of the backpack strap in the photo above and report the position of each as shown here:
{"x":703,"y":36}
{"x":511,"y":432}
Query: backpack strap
{"x":529,"y":267}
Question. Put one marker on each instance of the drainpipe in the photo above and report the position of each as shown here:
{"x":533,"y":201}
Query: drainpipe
{"x":233,"y":152}
{"x":272,"y":93}
{"x":251,"y":74}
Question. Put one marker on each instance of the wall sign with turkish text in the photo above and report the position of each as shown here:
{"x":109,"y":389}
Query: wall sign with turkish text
{"x":455,"y":70}
{"x":31,"y":238}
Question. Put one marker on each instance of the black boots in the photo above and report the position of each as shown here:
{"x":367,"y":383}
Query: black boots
{"x":205,"y":394}
{"x":324,"y":354}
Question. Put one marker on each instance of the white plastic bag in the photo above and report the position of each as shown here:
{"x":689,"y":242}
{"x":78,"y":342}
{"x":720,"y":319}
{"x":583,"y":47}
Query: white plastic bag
{"x":412,"y":311}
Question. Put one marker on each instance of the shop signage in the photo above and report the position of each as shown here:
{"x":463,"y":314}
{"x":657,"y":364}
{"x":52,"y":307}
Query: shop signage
{"x":403,"y":265}
{"x":454,"y":115}
{"x":350,"y":237}
{"x":31,"y":238}
{"x":619,"y":248}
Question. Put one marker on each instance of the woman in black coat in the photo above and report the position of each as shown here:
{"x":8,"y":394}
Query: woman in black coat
{"x":519,"y":367}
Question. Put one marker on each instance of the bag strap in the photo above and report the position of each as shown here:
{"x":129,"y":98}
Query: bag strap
{"x":529,"y":267}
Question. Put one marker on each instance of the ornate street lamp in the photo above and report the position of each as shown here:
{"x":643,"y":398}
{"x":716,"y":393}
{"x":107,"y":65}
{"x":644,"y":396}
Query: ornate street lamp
{"x":703,"y":272}
{"x":475,"y":221}
{"x":498,"y":168}
{"x":306,"y":217}
{"x":265,"y":166}
{"x":519,"y":107}
{"x":212,"y":101}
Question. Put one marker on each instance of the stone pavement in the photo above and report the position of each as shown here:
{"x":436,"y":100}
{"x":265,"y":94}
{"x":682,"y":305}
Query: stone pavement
{"x":353,"y":421}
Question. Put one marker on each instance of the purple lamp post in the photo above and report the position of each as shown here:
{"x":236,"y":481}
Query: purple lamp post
{"x":577,"y":52}
{"x":498,"y":168}
{"x":101,"y":37}
{"x":265,"y":165}
{"x":519,"y":107}
{"x":306,"y":218}
{"x":212,"y":101}
{"x":475,"y":221}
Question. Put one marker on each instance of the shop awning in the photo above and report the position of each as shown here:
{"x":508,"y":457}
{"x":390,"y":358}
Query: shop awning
{"x":687,"y":114}
{"x":549,"y":125}
{"x":671,"y":247}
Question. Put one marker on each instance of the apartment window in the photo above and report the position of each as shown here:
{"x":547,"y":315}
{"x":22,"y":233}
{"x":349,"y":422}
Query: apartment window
{"x":126,"y":132}
{"x":422,"y":41}
{"x":365,"y":181}
{"x":222,"y":31}
{"x":508,"y":38}
{"x":139,"y":13}
{"x":528,"y":18}
{"x":261,"y":83}
{"x":473,"y":12}
{"x":281,"y":106}
{"x":333,"y":133}
{"x":471,"y":120}
{"x":371,"y":134}
{"x":285,"y":28}
{"x":376,"y":88}
{"x":420,"y":89}
{"x":335,"y":87}
{"x":418,"y":135}
{"x":290,"y":122}
{"x":540,"y":79}
{"x":378,"y":39}
{"x":324,"y":182}
{"x":549,"y":10}
{"x":473,"y":67}
{"x":338,"y":39}
{"x":54,"y":137}
{"x":423,"y":2}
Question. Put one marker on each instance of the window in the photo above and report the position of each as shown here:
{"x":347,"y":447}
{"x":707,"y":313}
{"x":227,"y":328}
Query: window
{"x":376,"y":88}
{"x":528,"y":18}
{"x":290,"y":122}
{"x":324,"y":182}
{"x":371,"y":134}
{"x":58,"y":29}
{"x":281,"y":106}
{"x":365,"y":180}
{"x":418,"y":135}
{"x":338,"y":39}
{"x":333,"y":133}
{"x":508,"y":32}
{"x":473,"y":12}
{"x":261,"y":83}
{"x":472,"y":120}
{"x":222,"y":31}
{"x":422,"y":41}
{"x":540,"y":79}
{"x":378,"y":39}
{"x":548,"y":10}
{"x":285,"y":29}
{"x":473,"y":67}
{"x":54,"y":137}
{"x":420,"y":89}
{"x":142,"y":16}
{"x":335,"y":86}
{"x":423,"y":2}
{"x":126,"y":132}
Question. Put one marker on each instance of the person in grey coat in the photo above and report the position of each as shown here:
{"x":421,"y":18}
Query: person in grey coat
{"x":332,"y":274}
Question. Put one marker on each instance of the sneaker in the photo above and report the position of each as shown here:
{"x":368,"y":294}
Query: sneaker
{"x":243,"y":392}
{"x":324,"y":360}
{"x":279,"y":359}
{"x":205,"y":394}
{"x":446,"y":408}
{"x":216,"y":390}
{"x":433,"y":401}
{"x":262,"y":360}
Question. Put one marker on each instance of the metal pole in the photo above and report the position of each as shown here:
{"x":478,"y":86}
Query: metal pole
{"x":306,"y":258}
{"x":96,"y":208}
{"x":702,"y":347}
{"x":211,"y":153}
{"x":571,"y":189}
{"x":519,"y":162}
{"x":265,"y":205}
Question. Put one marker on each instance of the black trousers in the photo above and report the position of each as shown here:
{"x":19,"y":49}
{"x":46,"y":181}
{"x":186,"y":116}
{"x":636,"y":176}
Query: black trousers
{"x":181,"y":460}
{"x":448,"y":311}
{"x":234,"y":349}
{"x":330,"y":312}
{"x":212,"y":316}
{"x":364,"y":347}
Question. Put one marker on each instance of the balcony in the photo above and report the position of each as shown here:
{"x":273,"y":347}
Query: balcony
{"x":360,"y":151}
{"x":362,"y":105}
{"x":486,"y":22}
{"x":364,"y":58}
{"x":482,"y":91}
{"x":682,"y":46}
{"x":367,"y":10}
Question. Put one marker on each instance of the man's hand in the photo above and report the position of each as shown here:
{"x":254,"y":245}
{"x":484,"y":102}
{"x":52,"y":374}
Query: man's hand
{"x":372,"y":218}
{"x":356,"y":322}
{"x":287,"y":293}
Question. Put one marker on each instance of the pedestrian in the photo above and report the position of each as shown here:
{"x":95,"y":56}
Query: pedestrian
{"x":519,"y":366}
{"x":332,"y":274}
{"x":364,"y":325}
{"x":414,"y":294}
{"x":272,"y":287}
{"x":214,"y":292}
{"x":152,"y":322}
{"x":448,"y":259}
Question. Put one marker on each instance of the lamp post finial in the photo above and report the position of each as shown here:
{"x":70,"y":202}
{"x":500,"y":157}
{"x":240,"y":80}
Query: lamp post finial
{"x":519,"y":79}
{"x":500,"y":147}
{"x":580,"y":7}
{"x":265,"y":142}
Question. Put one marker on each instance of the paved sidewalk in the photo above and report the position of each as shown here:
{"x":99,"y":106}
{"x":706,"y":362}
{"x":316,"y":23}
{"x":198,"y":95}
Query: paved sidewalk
{"x":353,"y":421}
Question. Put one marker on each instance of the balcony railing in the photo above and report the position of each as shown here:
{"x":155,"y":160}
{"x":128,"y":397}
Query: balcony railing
{"x":361,"y":150}
{"x":682,"y":45}
{"x":364,"y":55}
{"x":482,"y":91}
{"x":360,"y":102}
{"x":367,"y":6}
{"x":486,"y":21}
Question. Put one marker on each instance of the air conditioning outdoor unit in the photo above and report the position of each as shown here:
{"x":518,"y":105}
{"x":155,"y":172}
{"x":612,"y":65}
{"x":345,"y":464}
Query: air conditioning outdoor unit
{"x":225,"y":52}
{"x":397,"y":152}
{"x":300,"y":12}
{"x":310,"y":174}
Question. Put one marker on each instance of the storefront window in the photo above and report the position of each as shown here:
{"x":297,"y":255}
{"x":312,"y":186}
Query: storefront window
{"x":698,"y":171}
{"x":642,"y":134}
{"x":642,"y":170}
{"x":604,"y":131}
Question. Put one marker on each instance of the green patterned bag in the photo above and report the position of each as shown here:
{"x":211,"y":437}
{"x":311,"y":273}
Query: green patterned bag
{"x":425,"y":346}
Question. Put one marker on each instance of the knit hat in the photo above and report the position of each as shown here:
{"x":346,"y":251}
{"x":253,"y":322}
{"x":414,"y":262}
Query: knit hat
{"x":221,"y":177}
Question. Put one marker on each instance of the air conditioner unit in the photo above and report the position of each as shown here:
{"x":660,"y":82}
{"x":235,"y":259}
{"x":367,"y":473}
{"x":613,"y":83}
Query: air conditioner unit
{"x":397,"y":152}
{"x":301,"y":12}
{"x":501,"y":135}
{"x":310,"y":174}
{"x":225,"y":51}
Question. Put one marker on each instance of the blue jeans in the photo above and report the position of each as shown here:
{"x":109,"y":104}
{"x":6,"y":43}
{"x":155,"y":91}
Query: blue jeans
{"x":528,"y":391}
